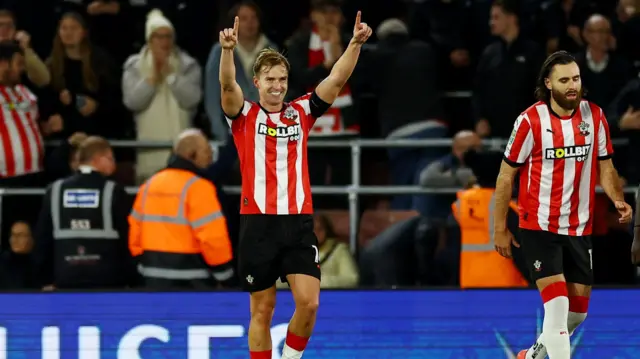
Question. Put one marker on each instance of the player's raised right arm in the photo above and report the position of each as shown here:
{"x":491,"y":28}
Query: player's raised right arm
{"x":232,"y":98}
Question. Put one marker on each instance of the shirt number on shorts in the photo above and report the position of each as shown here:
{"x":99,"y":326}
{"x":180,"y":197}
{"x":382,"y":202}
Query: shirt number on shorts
{"x":591,"y":258}
{"x":317,"y":258}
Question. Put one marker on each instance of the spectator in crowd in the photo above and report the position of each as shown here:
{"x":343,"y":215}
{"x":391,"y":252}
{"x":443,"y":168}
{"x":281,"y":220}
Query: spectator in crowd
{"x":16,"y":264}
{"x":339,"y":269}
{"x":162,"y":86}
{"x":35,"y":69}
{"x":104,"y":19}
{"x":628,"y":12}
{"x":82,"y":81}
{"x":443,"y":24}
{"x":506,"y":74}
{"x":62,"y":161}
{"x":625,"y":112}
{"x":450,"y":171}
{"x":480,"y":264}
{"x":562,"y":21}
{"x":178,"y":233}
{"x":21,"y":142}
{"x":312,"y":52}
{"x":603,"y":72}
{"x":82,"y":231}
{"x":251,"y":40}
{"x":219,"y":173}
{"x":399,"y":62}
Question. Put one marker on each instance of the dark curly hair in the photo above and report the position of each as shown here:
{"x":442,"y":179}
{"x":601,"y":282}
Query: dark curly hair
{"x":557,"y":58}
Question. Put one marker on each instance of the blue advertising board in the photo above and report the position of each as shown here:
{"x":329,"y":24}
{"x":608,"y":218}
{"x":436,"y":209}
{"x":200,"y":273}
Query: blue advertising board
{"x":351,"y":324}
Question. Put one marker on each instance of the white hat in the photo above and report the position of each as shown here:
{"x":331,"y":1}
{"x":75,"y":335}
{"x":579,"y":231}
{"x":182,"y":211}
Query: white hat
{"x":156,"y":20}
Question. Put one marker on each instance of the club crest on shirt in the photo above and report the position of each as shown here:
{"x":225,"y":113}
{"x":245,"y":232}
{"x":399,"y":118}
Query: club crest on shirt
{"x":583,"y":127}
{"x":289,"y":116}
{"x":20,"y":106}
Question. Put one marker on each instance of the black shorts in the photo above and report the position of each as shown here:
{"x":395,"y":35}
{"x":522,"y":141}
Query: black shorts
{"x":274,"y":246}
{"x":549,"y":254}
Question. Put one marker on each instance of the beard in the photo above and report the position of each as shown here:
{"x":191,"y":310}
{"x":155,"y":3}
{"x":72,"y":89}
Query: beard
{"x":564,"y":102}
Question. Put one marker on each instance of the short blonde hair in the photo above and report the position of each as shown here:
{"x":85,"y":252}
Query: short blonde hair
{"x":269,"y":58}
{"x":91,"y":147}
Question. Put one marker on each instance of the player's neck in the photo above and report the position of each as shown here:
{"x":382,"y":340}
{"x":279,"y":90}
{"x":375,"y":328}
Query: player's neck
{"x":559,"y":110}
{"x":271,"y":107}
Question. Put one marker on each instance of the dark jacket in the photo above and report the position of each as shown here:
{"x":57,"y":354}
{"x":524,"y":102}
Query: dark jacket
{"x":79,"y":243}
{"x":107,"y":120}
{"x":505,"y":82}
{"x":18,"y":272}
{"x":602,"y":87}
{"x":629,"y":96}
{"x":399,"y":63}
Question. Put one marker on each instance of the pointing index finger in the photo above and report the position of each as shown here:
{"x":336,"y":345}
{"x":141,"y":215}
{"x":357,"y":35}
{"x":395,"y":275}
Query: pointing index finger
{"x":358,"y":16}
{"x":236,"y":23}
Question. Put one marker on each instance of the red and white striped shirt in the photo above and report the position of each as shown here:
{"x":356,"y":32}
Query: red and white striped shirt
{"x":20,"y":139}
{"x":272,"y":149}
{"x":559,"y":167}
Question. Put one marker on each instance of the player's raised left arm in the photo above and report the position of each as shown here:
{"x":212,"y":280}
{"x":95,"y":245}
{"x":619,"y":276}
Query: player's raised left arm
{"x":329,"y":89}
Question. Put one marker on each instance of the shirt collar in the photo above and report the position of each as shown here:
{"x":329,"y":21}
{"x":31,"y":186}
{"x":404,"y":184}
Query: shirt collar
{"x":86,"y":169}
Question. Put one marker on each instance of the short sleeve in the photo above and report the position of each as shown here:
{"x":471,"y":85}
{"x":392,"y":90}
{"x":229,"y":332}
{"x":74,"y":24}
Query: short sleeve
{"x":304,"y":102}
{"x":605,"y":148}
{"x":243,"y":112}
{"x":312,"y":106}
{"x":520,"y":143}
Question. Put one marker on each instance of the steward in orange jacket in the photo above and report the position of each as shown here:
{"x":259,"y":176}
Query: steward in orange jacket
{"x":177,"y":230}
{"x":480,"y":264}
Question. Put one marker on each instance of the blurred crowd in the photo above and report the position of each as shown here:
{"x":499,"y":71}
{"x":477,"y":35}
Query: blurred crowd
{"x":464,"y":69}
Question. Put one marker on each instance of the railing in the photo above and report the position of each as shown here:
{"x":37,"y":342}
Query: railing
{"x":352,"y":191}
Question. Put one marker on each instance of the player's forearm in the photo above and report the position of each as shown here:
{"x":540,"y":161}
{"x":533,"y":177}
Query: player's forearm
{"x":611,"y":184}
{"x":504,"y":188}
{"x":343,"y":68}
{"x":227,"y":69}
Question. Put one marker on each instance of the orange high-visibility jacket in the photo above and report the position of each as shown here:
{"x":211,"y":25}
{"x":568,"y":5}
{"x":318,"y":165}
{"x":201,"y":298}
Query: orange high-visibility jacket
{"x":480,"y":264}
{"x":178,"y":231}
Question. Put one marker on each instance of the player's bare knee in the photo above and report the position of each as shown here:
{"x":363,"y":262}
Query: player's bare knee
{"x":307,"y":305}
{"x":263,"y":314}
{"x":262,"y":308}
